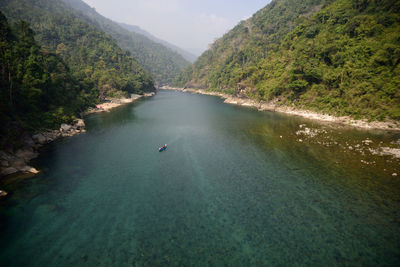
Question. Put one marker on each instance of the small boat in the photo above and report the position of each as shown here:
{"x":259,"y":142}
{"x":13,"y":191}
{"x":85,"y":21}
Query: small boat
{"x":161,"y":149}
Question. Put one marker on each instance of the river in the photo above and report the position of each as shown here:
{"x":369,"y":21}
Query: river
{"x":235,"y":187}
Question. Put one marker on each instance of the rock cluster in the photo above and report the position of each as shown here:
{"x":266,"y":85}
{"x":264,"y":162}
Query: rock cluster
{"x":17,"y":162}
{"x":70,"y":130}
{"x":12,"y":162}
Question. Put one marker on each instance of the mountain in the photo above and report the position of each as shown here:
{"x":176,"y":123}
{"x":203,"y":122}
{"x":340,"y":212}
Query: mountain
{"x":160,"y":61}
{"x":36,"y":87}
{"x":335,"y":56}
{"x":54,"y":65}
{"x":187,"y":55}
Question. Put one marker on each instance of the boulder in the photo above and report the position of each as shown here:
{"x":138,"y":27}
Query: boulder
{"x":80,"y":124}
{"x":39,"y":138}
{"x":3,"y":193}
{"x":16,"y":163}
{"x":8,"y":171}
{"x":28,"y":169}
{"x":26,"y":154}
{"x":65,"y":127}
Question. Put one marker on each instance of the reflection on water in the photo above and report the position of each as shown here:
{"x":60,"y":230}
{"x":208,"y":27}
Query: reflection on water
{"x":235,"y":187}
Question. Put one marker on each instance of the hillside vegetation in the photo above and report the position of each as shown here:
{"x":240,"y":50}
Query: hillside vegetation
{"x":185,"y":54}
{"x":340,"y":57}
{"x":56,"y":66}
{"x":161,"y":62}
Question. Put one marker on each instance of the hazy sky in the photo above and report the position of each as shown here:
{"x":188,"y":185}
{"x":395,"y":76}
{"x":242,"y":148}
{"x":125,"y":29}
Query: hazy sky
{"x":189,"y":24}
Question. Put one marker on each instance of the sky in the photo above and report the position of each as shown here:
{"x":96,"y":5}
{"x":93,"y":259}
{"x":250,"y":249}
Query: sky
{"x":190,"y":24}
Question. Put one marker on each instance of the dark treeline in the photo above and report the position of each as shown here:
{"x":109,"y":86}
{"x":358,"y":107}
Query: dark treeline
{"x":336,"y":56}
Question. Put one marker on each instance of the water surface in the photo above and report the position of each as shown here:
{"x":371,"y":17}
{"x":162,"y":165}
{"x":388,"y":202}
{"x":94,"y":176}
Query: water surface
{"x":235,"y":187}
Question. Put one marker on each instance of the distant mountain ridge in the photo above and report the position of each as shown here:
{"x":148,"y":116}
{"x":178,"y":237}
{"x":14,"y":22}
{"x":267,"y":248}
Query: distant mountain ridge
{"x":340,"y":57}
{"x":187,"y":55}
{"x":160,"y":61}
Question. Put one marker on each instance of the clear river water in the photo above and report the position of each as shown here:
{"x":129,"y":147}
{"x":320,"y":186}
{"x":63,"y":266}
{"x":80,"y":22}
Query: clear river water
{"x":236,"y":187}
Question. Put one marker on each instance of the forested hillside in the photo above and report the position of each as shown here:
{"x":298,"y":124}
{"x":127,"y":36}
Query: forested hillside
{"x":186,"y":55}
{"x":341,"y":57}
{"x":37,"y":88}
{"x":94,"y":59}
{"x":161,"y":62}
{"x":55,"y":65}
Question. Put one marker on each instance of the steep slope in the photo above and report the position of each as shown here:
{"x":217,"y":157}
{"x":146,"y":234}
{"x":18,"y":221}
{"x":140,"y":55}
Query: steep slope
{"x":36,"y":88}
{"x":53,"y":71}
{"x":161,"y":62}
{"x":341,"y":57}
{"x":187,"y":55}
{"x":95,"y":60}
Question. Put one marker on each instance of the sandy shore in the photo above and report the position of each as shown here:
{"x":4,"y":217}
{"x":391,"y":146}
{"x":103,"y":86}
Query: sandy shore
{"x":270,"y":106}
{"x":115,"y":102}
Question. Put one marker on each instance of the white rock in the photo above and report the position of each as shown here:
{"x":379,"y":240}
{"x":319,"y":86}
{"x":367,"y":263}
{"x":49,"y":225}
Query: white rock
{"x":3,"y":193}
{"x":80,"y":123}
{"x":65,"y":127}
{"x":28,"y":169}
{"x":394,"y":174}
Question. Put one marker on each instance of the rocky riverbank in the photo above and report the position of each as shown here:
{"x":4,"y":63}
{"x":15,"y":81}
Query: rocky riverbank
{"x":274,"y":106}
{"x":13,"y":162}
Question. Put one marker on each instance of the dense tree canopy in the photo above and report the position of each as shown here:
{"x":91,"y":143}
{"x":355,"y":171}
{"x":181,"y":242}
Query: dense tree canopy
{"x":340,"y":57}
{"x":161,"y":62}
{"x":37,"y":89}
{"x":54,"y":65}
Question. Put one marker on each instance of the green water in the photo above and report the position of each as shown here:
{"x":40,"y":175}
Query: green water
{"x":235,"y":187}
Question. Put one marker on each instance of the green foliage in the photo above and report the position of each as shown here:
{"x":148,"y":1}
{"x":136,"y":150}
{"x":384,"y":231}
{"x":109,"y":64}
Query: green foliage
{"x":341,"y":57}
{"x":161,"y":62}
{"x":37,"y":90}
{"x":92,"y":57}
{"x":71,"y":66}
